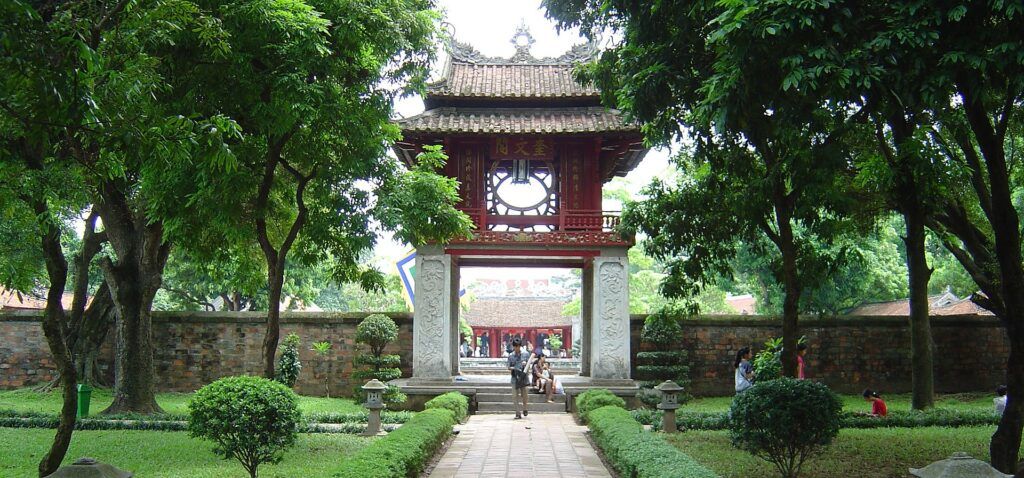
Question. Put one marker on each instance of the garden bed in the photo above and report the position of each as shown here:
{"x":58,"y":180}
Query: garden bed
{"x":153,"y":454}
{"x":878,"y":453}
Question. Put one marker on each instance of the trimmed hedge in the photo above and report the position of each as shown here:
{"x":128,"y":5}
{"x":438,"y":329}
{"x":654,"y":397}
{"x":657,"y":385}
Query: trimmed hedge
{"x":895,"y":419}
{"x":636,"y":453}
{"x":403,"y":452}
{"x":151,"y":422}
{"x":593,"y":399}
{"x":454,"y":401}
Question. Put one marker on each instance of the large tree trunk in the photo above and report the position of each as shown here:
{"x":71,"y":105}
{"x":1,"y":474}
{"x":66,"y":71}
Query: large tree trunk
{"x":921,"y":359}
{"x":1005,"y":444}
{"x":133,"y":279}
{"x":791,"y":287}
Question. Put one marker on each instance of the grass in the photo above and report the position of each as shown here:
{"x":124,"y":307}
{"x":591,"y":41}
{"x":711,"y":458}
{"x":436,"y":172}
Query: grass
{"x":881,"y":453}
{"x":26,"y":400}
{"x":856,"y":403}
{"x":154,"y":454}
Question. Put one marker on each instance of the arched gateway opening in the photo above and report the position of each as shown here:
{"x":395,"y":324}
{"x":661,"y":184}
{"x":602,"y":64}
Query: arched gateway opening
{"x":531,"y":149}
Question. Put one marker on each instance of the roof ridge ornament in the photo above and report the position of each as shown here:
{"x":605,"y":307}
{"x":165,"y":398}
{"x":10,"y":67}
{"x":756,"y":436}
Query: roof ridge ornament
{"x":523,"y":41}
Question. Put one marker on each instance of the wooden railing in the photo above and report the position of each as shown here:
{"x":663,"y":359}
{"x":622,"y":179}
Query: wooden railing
{"x":567,"y":221}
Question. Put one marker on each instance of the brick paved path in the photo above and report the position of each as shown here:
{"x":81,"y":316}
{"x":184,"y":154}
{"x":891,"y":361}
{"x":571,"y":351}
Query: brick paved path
{"x":545,"y":445}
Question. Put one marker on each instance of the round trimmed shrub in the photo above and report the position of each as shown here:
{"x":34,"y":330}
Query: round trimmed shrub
{"x":250,"y":419}
{"x":662,"y":329}
{"x":376,"y":331}
{"x":591,"y":400}
{"x":785,"y":421}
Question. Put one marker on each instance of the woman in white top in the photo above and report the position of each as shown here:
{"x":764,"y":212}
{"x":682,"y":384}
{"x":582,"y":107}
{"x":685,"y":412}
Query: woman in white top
{"x":744,"y":370}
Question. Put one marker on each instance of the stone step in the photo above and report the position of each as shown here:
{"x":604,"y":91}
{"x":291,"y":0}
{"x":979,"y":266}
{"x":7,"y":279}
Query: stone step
{"x":533,"y":407}
{"x":507,"y":397}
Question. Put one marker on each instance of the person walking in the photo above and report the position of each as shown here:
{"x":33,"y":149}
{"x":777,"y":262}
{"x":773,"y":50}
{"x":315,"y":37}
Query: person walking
{"x":801,"y":370}
{"x":517,"y":361}
{"x":744,"y":370}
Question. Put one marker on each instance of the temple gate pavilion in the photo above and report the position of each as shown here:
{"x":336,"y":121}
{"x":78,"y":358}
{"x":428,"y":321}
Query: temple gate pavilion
{"x":531,"y":148}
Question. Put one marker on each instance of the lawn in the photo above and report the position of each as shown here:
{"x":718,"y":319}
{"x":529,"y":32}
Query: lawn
{"x":856,"y":403}
{"x":26,"y":400}
{"x":154,"y":454}
{"x":879,"y":453}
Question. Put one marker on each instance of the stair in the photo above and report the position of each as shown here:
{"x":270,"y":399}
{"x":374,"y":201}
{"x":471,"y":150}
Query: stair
{"x":499,"y":400}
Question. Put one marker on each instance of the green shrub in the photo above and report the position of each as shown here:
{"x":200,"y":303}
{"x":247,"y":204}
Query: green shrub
{"x":288,"y":365}
{"x":895,"y":419}
{"x":377,"y":331}
{"x":785,"y":421}
{"x":403,"y":452}
{"x":594,"y":399}
{"x":768,"y":362}
{"x":662,"y":329}
{"x":636,"y":453}
{"x":250,"y":419}
{"x":454,"y":401}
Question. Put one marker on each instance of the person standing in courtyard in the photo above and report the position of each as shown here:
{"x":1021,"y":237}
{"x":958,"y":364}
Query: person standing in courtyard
{"x":801,"y":351}
{"x":517,"y":361}
{"x":744,"y":370}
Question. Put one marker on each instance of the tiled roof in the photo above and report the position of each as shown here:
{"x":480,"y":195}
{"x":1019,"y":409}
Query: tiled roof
{"x":517,"y":312}
{"x":11,"y":300}
{"x":510,"y":81}
{"x":517,"y":121}
{"x":937,"y":305}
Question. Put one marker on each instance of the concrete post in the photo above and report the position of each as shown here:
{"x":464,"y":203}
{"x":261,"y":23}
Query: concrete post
{"x":609,"y":330}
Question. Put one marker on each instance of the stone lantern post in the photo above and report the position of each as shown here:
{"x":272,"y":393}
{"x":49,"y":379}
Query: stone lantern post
{"x":89,"y":468}
{"x":669,"y":403}
{"x":374,"y":402}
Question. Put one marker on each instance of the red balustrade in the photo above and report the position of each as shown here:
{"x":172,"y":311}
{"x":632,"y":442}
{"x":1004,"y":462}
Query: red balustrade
{"x":567,"y":221}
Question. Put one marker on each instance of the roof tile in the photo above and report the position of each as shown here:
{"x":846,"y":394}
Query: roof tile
{"x":517,"y":121}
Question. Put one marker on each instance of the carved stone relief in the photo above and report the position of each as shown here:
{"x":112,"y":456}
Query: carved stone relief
{"x":430,"y":317}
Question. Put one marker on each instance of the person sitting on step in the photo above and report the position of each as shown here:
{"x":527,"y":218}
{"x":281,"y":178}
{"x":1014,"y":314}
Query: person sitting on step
{"x":542,"y":377}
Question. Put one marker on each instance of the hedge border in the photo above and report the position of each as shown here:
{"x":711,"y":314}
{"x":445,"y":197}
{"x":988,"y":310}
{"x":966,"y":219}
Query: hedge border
{"x":456,"y":402}
{"x":634,"y":452}
{"x":895,"y":419}
{"x":403,"y":452}
{"x":386,"y":416}
{"x":170,"y":425}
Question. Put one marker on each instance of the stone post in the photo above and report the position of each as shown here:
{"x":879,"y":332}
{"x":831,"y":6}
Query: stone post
{"x":432,"y":348}
{"x":669,"y":403}
{"x":609,"y":324}
{"x":586,"y":311}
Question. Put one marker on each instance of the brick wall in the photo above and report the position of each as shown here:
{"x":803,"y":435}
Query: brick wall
{"x":850,"y":354}
{"x":196,"y":348}
{"x":193,"y":349}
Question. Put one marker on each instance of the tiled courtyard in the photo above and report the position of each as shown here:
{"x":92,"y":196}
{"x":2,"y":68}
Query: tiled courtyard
{"x":546,"y":445}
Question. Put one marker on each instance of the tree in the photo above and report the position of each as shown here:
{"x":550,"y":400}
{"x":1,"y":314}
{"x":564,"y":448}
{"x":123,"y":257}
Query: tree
{"x":80,"y":119}
{"x":771,"y":163}
{"x":313,"y":95}
{"x":943,"y":85}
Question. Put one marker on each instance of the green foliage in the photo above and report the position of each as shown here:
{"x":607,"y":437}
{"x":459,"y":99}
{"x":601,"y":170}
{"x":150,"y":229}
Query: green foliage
{"x":249,"y":419}
{"x":636,"y":453}
{"x":768,"y":361}
{"x":662,"y":330}
{"x":376,"y":331}
{"x":593,"y":399}
{"x":456,"y":402}
{"x":948,"y":418}
{"x":785,"y":421}
{"x":288,"y":365}
{"x":555,"y":341}
{"x":403,"y":452}
{"x":351,"y":297}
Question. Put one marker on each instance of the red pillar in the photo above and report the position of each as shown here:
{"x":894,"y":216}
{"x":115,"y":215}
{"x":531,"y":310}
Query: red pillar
{"x":495,"y":341}
{"x":567,"y":340}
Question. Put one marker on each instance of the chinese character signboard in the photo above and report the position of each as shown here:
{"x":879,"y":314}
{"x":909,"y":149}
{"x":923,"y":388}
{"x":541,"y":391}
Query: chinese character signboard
{"x":522,"y":147}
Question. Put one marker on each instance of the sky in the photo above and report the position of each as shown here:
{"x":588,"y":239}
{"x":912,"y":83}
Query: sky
{"x":488,"y":25}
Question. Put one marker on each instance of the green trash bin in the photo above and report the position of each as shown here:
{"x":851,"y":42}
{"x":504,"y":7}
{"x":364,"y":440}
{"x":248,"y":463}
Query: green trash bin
{"x":84,"y":395}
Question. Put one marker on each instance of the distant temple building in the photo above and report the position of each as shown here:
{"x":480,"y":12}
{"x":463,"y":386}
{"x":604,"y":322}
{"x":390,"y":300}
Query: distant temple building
{"x":946,"y":303}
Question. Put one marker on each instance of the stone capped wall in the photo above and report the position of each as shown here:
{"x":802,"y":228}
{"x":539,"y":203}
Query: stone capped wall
{"x":849,"y":354}
{"x":193,"y":349}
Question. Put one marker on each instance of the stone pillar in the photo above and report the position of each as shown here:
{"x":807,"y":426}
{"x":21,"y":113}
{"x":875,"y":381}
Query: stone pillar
{"x":609,"y":325}
{"x":586,"y":310}
{"x":432,"y":326}
{"x":453,"y":295}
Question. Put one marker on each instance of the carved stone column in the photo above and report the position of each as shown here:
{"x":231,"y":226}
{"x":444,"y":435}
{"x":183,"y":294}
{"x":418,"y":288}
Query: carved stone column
{"x":609,"y":331}
{"x":432,"y":348}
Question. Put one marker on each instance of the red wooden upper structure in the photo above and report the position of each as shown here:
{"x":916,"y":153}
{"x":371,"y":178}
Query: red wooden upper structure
{"x":530,"y":146}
